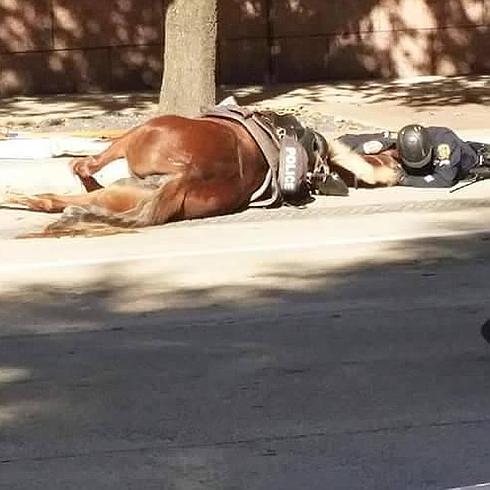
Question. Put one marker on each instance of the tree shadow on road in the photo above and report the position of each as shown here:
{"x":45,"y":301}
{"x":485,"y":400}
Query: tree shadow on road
{"x":189,"y":379}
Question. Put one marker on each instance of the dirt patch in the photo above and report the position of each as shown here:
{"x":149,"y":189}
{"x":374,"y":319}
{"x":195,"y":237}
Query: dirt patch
{"x":328,"y":124}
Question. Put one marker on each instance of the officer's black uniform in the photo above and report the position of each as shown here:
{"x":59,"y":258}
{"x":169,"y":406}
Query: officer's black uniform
{"x":451,"y":160}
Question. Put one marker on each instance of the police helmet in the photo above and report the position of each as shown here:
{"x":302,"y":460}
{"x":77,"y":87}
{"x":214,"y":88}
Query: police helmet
{"x":414,"y":146}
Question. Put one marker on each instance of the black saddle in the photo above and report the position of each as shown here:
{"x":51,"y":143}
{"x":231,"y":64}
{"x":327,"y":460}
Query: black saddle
{"x":292,"y":132}
{"x":312,"y":141}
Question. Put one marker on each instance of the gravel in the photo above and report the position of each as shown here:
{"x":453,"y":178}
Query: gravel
{"x":328,"y":124}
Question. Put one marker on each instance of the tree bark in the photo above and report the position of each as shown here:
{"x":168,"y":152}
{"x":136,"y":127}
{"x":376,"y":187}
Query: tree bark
{"x":189,"y":77}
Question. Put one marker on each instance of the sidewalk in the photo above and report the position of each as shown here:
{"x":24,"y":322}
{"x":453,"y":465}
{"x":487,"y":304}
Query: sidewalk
{"x":461,"y":103}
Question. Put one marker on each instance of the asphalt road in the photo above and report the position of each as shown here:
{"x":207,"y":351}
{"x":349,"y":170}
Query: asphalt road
{"x":320,"y":353}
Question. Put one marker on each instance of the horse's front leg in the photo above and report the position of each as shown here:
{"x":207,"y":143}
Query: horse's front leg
{"x":86,"y":166}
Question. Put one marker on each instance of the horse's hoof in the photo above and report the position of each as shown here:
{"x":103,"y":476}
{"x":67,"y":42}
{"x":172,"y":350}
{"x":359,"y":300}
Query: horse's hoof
{"x":485,"y":331}
{"x":84,"y":167}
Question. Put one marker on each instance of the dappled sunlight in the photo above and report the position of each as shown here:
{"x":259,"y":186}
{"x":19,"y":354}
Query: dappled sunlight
{"x":189,"y":360}
{"x":241,"y":12}
{"x":33,"y":109}
{"x":15,"y":412}
{"x":298,"y":7}
{"x":371,"y":39}
{"x":431,"y":91}
{"x":13,"y":375}
{"x":324,"y":351}
{"x":132,"y":293}
{"x":251,"y":8}
{"x":117,"y":45}
{"x":417,"y":92}
{"x":66,"y":19}
{"x":80,"y":46}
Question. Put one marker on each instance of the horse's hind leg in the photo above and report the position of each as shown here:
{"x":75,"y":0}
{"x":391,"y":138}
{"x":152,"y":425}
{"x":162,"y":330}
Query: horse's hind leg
{"x":112,"y":200}
{"x":104,"y":211}
{"x":137,"y":206}
{"x":196,"y":198}
{"x":49,"y":203}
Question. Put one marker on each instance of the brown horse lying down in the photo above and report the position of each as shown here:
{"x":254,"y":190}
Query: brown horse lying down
{"x":182,"y":168}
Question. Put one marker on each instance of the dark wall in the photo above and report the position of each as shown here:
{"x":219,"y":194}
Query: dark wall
{"x":53,"y":46}
{"x":303,"y":40}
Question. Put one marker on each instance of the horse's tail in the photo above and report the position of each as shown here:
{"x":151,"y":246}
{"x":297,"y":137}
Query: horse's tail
{"x":88,"y":221}
{"x":340,"y":156}
{"x":163,"y":205}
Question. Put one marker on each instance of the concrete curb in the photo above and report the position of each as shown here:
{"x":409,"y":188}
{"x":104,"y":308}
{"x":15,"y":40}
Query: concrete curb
{"x":293,"y":213}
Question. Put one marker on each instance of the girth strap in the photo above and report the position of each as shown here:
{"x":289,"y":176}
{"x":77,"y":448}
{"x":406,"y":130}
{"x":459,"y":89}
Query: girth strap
{"x":266,"y":140}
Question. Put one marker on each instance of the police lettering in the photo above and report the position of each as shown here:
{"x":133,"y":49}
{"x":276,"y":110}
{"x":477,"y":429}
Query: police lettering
{"x":290,"y":170}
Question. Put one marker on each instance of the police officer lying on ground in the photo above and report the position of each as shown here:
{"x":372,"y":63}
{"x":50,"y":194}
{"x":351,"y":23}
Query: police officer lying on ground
{"x":430,"y":156}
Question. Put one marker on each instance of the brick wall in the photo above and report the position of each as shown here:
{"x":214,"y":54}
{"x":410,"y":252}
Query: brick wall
{"x":50,"y":46}
{"x":299,"y":40}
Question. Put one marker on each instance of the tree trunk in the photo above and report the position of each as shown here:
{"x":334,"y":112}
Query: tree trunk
{"x":189,"y":78}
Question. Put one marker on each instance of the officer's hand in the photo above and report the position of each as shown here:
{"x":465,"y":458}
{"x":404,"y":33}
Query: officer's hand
{"x":372,"y":147}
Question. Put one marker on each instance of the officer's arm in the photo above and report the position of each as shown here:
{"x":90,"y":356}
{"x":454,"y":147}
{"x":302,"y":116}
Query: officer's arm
{"x":384,"y":141}
{"x":440,"y":178}
{"x":444,"y":174}
{"x":369,"y":144}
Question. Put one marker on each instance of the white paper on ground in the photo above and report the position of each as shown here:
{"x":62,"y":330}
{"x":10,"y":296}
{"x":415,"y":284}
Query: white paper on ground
{"x":23,"y":148}
{"x":34,"y":177}
{"x":118,"y":169}
{"x":29,"y":166}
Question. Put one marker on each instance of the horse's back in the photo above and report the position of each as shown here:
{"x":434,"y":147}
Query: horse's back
{"x":176,"y":145}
